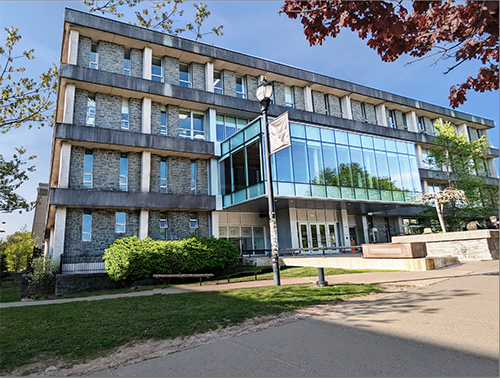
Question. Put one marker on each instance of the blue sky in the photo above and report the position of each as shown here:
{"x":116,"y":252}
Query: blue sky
{"x":250,"y":27}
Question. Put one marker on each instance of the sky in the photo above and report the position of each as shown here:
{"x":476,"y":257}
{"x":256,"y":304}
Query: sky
{"x":250,"y":27}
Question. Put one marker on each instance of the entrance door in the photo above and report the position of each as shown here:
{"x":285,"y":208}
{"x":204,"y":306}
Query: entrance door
{"x":313,"y":235}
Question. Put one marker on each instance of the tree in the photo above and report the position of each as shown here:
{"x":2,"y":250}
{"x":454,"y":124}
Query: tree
{"x":439,"y":29}
{"x":158,"y":16}
{"x":23,"y":101}
{"x":19,"y":247}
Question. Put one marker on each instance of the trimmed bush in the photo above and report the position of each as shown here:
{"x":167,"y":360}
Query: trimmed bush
{"x":133,"y":259}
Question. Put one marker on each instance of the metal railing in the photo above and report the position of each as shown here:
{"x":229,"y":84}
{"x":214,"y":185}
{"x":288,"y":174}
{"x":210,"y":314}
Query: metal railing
{"x":79,"y":265}
{"x":298,"y":251}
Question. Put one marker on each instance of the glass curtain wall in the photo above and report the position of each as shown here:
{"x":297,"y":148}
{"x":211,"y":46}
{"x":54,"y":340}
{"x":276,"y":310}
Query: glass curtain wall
{"x":321,"y":163}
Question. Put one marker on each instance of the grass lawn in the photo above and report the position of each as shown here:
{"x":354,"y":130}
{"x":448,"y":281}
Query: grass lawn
{"x":10,"y":291}
{"x":77,"y":331}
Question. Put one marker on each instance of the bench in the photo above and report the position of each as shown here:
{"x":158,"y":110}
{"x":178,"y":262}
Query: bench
{"x":200,"y":276}
{"x":255,"y":272}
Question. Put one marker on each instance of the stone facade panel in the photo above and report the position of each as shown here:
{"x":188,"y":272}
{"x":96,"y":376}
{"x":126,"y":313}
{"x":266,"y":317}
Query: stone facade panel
{"x":108,"y":113}
{"x":202,"y":177}
{"x":252,"y":84}
{"x":198,"y":80}
{"x":83,"y":55}
{"x":356,"y":111}
{"x":172,"y":121}
{"x":229,"y":83}
{"x":318,"y":99}
{"x":371,"y":114}
{"x":134,"y":171}
{"x":155,"y":118}
{"x":135,"y":115}
{"x":171,"y":70}
{"x":279,"y":93}
{"x":76,"y":167}
{"x":399,"y":120}
{"x":110,"y":57}
{"x":298,"y":98}
{"x":80,"y":108}
{"x":136,"y":62}
{"x":154,"y":184}
{"x":179,"y":175}
{"x":106,"y":170}
{"x":334,"y":105}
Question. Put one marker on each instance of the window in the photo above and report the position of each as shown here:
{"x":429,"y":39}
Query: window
{"x":184,"y":75}
{"x":391,"y":119}
{"x":218,"y":82}
{"x":94,"y":56}
{"x":289,"y":102}
{"x":191,"y":125}
{"x":241,"y":91}
{"x":86,"y":225}
{"x":193,"y":221}
{"x":163,"y":175}
{"x":87,"y":169}
{"x":327,"y":105}
{"x":163,"y":120}
{"x":405,"y":122}
{"x":227,"y":126}
{"x":126,"y":62}
{"x":125,"y":114}
{"x":421,"y":124}
{"x":163,"y":226}
{"x":163,"y":221}
{"x":340,"y":108}
{"x":363,"y":112}
{"x":90,"y":110}
{"x":157,"y":70}
{"x":193,"y":177}
{"x":124,"y":173}
{"x":120,"y":222}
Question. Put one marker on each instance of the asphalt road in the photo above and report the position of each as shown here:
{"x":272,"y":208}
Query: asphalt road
{"x":447,"y":328}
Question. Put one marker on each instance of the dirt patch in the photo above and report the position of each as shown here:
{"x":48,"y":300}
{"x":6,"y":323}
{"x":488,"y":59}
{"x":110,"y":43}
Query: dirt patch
{"x":139,"y":351}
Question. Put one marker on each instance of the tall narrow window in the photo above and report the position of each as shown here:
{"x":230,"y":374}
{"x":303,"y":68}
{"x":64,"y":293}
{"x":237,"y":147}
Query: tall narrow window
{"x":163,"y":120}
{"x":363,"y":112}
{"x":391,"y":119}
{"x":327,"y":105}
{"x":191,"y":125}
{"x":163,"y":175}
{"x":340,"y":107}
{"x":94,"y":56}
{"x":124,"y":173}
{"x":218,"y":82}
{"x":405,"y":122}
{"x":157,"y":70}
{"x":120,"y":222}
{"x":86,"y":225}
{"x":289,"y":101}
{"x":125,"y":114}
{"x":184,"y":75}
{"x":193,"y":177}
{"x":126,"y":62}
{"x":90,"y":110}
{"x":163,"y":226}
{"x":241,"y":91}
{"x":421,"y":124}
{"x":87,"y":169}
{"x":193,"y":221}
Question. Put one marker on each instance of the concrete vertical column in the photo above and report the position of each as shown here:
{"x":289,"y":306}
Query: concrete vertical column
{"x":59,"y":231}
{"x":412,"y":120}
{"x":69,"y":104}
{"x":215,"y":224}
{"x":308,"y":100}
{"x":209,"y":77}
{"x":462,"y":129}
{"x":294,"y":235}
{"x":147,"y":60}
{"x":145,"y":171}
{"x":143,"y":224}
{"x":420,"y":156}
{"x":73,"y":46}
{"x":212,"y":129}
{"x":213,"y":182}
{"x":366,"y":229}
{"x":401,"y":226}
{"x":381,"y":115}
{"x":345,"y":103}
{"x":492,"y":168}
{"x":64,"y":162}
{"x":425,"y":186}
{"x":50,"y":251}
{"x":46,"y":247}
{"x":146,"y":116}
{"x":345,"y":227}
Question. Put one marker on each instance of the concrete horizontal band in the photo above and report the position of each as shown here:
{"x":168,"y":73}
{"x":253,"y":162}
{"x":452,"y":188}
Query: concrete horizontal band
{"x":112,"y":199}
{"x":150,"y":36}
{"x":429,"y":174}
{"x":103,"y":136}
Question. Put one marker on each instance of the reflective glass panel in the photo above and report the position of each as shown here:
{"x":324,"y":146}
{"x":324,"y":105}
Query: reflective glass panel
{"x":327,"y":135}
{"x":239,"y":171}
{"x":354,"y":140}
{"x":219,"y":126}
{"x":357,"y":168}
{"x":312,"y":133}
{"x":300,"y":166}
{"x":297,"y":131}
{"x":345,"y":178}
{"x":331,"y":176}
{"x":340,"y":137}
{"x":315,"y":159}
{"x":284,"y":164}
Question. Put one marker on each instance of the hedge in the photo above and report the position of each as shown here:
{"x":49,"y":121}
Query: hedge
{"x":132,"y":259}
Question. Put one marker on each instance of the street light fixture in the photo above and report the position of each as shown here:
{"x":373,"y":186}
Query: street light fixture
{"x":264,"y":93}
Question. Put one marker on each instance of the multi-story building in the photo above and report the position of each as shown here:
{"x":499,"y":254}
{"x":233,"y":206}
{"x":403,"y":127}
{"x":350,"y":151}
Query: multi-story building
{"x":161,"y":136}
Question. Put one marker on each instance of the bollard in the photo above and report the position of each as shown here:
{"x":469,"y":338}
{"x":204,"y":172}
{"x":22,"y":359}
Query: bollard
{"x":321,"y":282}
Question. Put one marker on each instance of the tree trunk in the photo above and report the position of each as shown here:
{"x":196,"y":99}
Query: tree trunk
{"x":440,"y":215}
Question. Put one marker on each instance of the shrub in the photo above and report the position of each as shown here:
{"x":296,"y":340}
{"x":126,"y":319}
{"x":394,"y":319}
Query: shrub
{"x":132,"y":259}
{"x":43,"y":277}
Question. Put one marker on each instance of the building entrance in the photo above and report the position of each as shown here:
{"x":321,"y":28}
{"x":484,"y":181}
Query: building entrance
{"x":313,"y":235}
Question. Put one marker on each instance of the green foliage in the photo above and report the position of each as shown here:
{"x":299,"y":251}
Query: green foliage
{"x":160,"y":15}
{"x":19,"y":246}
{"x":43,"y":277}
{"x":131,"y":259}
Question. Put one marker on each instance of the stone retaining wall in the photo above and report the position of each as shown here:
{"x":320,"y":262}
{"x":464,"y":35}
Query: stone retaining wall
{"x":465,"y":245}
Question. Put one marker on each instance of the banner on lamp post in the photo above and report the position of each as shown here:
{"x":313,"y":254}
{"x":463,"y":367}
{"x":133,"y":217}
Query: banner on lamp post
{"x":279,"y":133}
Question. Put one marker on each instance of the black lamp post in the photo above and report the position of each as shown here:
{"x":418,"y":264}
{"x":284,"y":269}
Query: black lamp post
{"x":264,"y":93}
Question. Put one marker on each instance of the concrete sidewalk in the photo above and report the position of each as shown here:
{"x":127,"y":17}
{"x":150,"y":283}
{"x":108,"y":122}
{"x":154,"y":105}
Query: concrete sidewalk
{"x":417,"y":278}
{"x":446,"y":327}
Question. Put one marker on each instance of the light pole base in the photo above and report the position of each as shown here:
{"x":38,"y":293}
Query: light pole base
{"x":321,"y":277}
{"x":276,"y":271}
{"x":322,"y":283}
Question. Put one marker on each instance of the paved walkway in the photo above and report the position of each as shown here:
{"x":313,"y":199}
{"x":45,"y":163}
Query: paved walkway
{"x":447,"y":327}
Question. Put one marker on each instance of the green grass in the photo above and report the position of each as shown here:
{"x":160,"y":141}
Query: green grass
{"x":78,"y":331}
{"x":10,"y":292}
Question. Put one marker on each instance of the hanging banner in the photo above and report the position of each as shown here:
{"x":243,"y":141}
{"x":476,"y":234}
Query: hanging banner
{"x":279,"y":133}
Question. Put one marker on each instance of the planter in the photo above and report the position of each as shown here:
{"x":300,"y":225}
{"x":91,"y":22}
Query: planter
{"x":394,"y":251}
